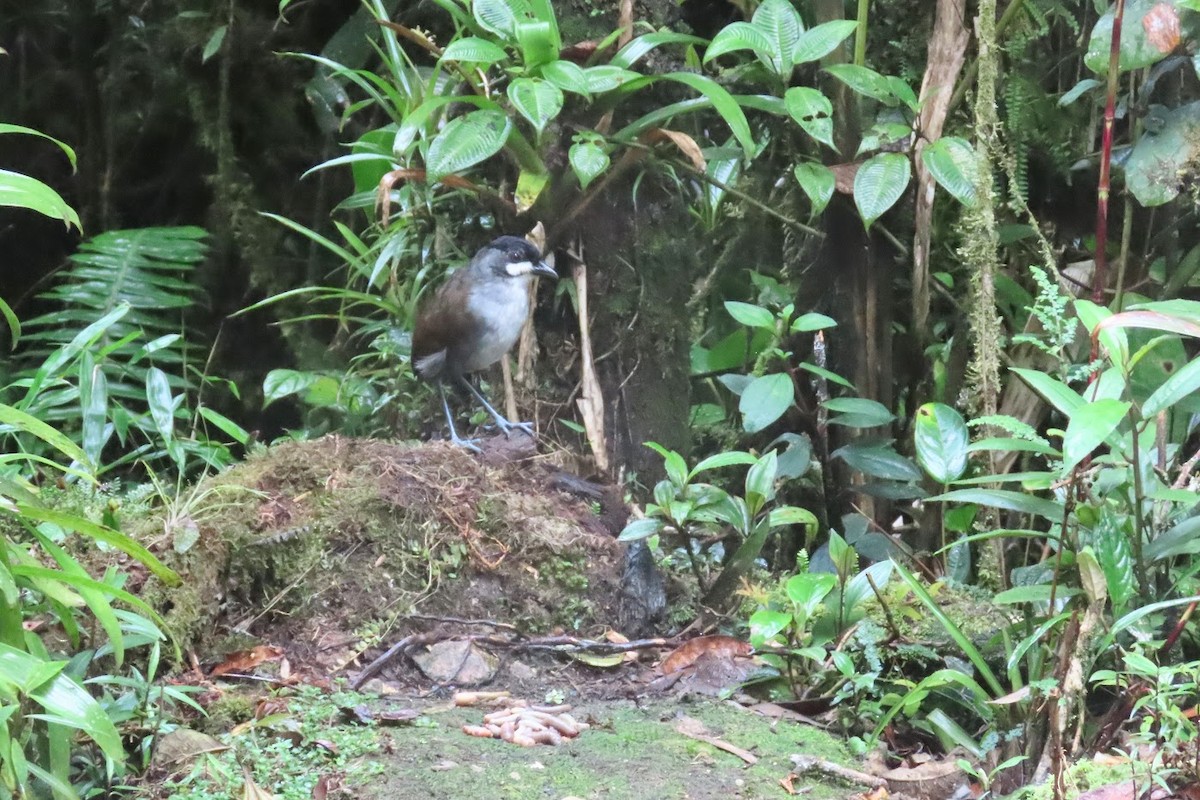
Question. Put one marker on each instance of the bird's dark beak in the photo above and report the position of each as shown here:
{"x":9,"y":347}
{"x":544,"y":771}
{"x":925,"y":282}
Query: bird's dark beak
{"x":545,"y":270}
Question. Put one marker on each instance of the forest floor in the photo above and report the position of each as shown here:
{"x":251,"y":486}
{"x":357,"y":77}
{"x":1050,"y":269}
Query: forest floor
{"x":499,"y":573}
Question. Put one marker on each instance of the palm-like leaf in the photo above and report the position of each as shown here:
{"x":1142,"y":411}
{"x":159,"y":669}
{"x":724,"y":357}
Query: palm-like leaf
{"x":147,"y":269}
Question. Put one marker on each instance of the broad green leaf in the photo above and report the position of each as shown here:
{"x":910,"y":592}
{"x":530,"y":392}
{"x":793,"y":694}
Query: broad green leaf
{"x":538,"y":42}
{"x":1183,"y":383}
{"x":34,"y":426}
{"x":162,"y":404}
{"x":1182,"y":539}
{"x":225,"y":424}
{"x":952,"y":163}
{"x":93,"y":400}
{"x":864,"y":81}
{"x":1034,"y":594}
{"x":22,"y":191}
{"x":588,"y":160}
{"x":466,"y":141}
{"x":751,"y":315}
{"x":281,"y":383}
{"x":723,"y":103}
{"x":67,"y":703}
{"x":818,"y":42}
{"x":737,"y":36}
{"x":1150,"y":319}
{"x":530,"y":186}
{"x":1138,"y":47}
{"x":9,"y":128}
{"x":1078,"y":90}
{"x":812,"y":321}
{"x":728,"y":459}
{"x":807,"y":589}
{"x":537,"y":101}
{"x":633,"y":52}
{"x":858,"y":412}
{"x":817,"y":181}
{"x":1091,"y":576}
{"x":1003,"y":498}
{"x":1114,"y":339}
{"x":1054,"y":391}
{"x":813,"y":111}
{"x":1089,"y":426}
{"x":879,"y":183}
{"x":474,"y":50}
{"x":1156,"y":168}
{"x":605,"y":78}
{"x":760,"y":482}
{"x":641,"y":529}
{"x":765,"y":400}
{"x":940,"y":439}
{"x":673,"y":463}
{"x":567,"y":76}
{"x":100,"y":533}
{"x":780,"y":23}
{"x":792,"y":515}
{"x":878,"y":462}
{"x":501,"y":16}
{"x":766,"y":624}
{"x":1115,"y":555}
{"x":214,"y":43}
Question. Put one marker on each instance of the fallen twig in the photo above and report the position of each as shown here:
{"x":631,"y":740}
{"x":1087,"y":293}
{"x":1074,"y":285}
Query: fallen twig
{"x":802,"y":764}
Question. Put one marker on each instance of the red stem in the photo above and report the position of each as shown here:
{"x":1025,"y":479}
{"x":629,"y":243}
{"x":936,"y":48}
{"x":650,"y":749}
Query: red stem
{"x":1100,"y":278}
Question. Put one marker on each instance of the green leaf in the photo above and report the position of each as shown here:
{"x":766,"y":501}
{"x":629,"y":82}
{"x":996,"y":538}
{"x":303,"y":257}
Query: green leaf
{"x":605,"y":78}
{"x":466,"y":141}
{"x":632,"y":52}
{"x":1054,"y":391}
{"x":225,"y":424}
{"x":641,"y":529}
{"x":766,"y":624}
{"x":474,"y":50}
{"x":728,"y":459}
{"x":537,"y":101}
{"x":93,"y":400}
{"x":818,"y":42}
{"x":878,"y":462}
{"x":723,"y":103}
{"x":780,"y":23}
{"x":567,"y":76}
{"x":1182,"y":539}
{"x":1078,"y":90}
{"x":864,"y":81}
{"x":501,"y":16}
{"x":1158,"y":164}
{"x":951,"y":161}
{"x":1089,"y":426}
{"x":813,"y":111}
{"x":737,"y":36}
{"x":67,"y":703}
{"x":751,"y":315}
{"x":34,"y":426}
{"x":765,"y":400}
{"x":588,"y":160}
{"x":859,"y":412}
{"x":879,"y":183}
{"x":812,"y":321}
{"x":817,"y":181}
{"x":22,"y":191}
{"x":673,"y":463}
{"x":1003,"y":498}
{"x":281,"y":383}
{"x":162,"y":404}
{"x":214,"y":43}
{"x":100,"y":533}
{"x":940,"y":439}
{"x":1137,"y":48}
{"x":538,"y":42}
{"x":9,"y":128}
{"x":1180,"y":385}
{"x":792,"y":515}
{"x":760,"y":482}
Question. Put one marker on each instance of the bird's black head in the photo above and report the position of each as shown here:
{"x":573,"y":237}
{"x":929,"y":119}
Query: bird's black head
{"x":513,"y":257}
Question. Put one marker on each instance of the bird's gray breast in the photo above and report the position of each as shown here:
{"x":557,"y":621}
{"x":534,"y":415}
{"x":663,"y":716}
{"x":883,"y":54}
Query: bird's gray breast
{"x":500,"y":308}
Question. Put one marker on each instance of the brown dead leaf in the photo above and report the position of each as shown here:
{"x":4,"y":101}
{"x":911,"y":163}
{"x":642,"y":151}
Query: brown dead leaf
{"x":686,"y":144}
{"x":321,"y":790}
{"x":269,"y":706}
{"x":247,"y":660}
{"x":251,"y":790}
{"x":786,"y":783}
{"x":1161,"y":24}
{"x":694,"y":729}
{"x":716,"y":646}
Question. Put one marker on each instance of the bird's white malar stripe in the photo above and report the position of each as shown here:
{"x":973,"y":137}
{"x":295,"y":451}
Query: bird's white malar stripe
{"x":519,"y":268}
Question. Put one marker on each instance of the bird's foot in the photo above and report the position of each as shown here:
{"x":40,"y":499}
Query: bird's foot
{"x":508,"y":427}
{"x":466,"y":444}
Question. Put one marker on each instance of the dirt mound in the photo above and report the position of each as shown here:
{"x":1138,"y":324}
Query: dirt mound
{"x":329,"y":547}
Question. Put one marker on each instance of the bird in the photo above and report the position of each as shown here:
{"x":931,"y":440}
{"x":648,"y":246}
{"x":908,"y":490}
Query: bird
{"x":473,"y":319}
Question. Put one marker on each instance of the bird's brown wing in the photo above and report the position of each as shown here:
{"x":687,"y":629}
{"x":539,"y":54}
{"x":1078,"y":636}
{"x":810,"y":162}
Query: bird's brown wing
{"x":442,"y":322}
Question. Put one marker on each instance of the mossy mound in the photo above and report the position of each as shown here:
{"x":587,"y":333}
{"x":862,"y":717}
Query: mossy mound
{"x":337,"y":538}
